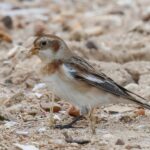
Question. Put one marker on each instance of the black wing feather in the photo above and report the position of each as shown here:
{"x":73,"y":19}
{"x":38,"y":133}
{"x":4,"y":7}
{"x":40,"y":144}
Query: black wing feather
{"x":80,"y":70}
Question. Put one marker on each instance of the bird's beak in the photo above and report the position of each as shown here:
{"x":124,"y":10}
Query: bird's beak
{"x":33,"y":51}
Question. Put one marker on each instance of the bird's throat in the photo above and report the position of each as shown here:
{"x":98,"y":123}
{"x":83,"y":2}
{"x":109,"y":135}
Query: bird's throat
{"x":51,"y":67}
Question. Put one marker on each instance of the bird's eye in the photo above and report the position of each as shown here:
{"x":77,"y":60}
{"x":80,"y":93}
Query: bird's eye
{"x":43,"y":43}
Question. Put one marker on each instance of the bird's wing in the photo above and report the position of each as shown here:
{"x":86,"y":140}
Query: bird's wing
{"x":79,"y":69}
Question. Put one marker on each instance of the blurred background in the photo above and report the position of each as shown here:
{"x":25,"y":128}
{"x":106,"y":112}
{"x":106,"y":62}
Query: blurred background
{"x":95,"y":26}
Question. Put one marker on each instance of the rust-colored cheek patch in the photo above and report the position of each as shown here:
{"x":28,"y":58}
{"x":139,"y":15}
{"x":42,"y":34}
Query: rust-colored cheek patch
{"x":51,"y":68}
{"x":55,"y":45}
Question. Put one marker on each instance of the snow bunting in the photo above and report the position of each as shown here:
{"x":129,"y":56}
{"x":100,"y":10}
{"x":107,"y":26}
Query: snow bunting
{"x":75,"y":80}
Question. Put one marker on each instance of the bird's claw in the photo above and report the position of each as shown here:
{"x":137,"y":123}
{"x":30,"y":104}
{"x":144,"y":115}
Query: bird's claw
{"x":67,"y":126}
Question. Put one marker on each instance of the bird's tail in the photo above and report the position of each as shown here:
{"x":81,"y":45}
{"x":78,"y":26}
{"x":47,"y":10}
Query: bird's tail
{"x":138,"y":99}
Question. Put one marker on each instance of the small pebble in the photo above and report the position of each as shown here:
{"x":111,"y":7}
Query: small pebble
{"x":39,"y":28}
{"x":13,"y":51}
{"x":119,"y":142}
{"x":43,"y":129}
{"x":58,"y":141}
{"x":38,"y":95}
{"x":108,"y":136}
{"x":94,"y":31}
{"x":77,"y":36}
{"x":22,"y":132}
{"x":39,"y":86}
{"x":140,"y":112}
{"x":56,"y":117}
{"x":91,"y":45}
{"x":73,"y":111}
{"x":25,"y":147}
{"x":7,"y":21}
{"x":48,"y":105}
{"x":10,"y":124}
{"x":5,"y":37}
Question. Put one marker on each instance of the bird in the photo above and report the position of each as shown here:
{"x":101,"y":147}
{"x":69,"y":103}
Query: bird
{"x":77,"y":81}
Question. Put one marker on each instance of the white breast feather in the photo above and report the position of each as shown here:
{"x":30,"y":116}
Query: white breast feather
{"x":66,"y":90}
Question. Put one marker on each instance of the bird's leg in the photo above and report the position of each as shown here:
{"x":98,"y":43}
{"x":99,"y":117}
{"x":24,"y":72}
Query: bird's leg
{"x":92,"y":120}
{"x":70,"y":125}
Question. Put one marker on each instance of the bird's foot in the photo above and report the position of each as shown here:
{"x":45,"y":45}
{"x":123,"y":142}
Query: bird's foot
{"x":66,"y":126}
{"x":70,"y":125}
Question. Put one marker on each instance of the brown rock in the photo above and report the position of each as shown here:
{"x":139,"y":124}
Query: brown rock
{"x":73,"y":111}
{"x":91,"y":45}
{"x":39,"y":28}
{"x":7,"y":21}
{"x":48,"y":105}
{"x":146,"y":17}
{"x":119,"y":142}
{"x":94,"y":31}
{"x":140,"y":112}
{"x":20,"y":25}
{"x":77,"y":36}
{"x":5,"y":37}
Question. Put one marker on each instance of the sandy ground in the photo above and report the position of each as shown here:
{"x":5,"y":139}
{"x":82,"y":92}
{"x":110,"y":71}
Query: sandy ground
{"x":113,"y":35}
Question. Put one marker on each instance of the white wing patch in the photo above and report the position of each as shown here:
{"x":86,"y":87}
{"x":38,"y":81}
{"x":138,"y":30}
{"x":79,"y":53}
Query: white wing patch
{"x":93,"y":79}
{"x":68,"y":71}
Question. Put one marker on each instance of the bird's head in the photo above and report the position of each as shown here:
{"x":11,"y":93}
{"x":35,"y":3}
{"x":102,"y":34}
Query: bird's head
{"x":49,"y":48}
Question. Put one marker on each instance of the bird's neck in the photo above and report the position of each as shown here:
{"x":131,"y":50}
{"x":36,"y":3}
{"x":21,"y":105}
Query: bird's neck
{"x":51,"y":67}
